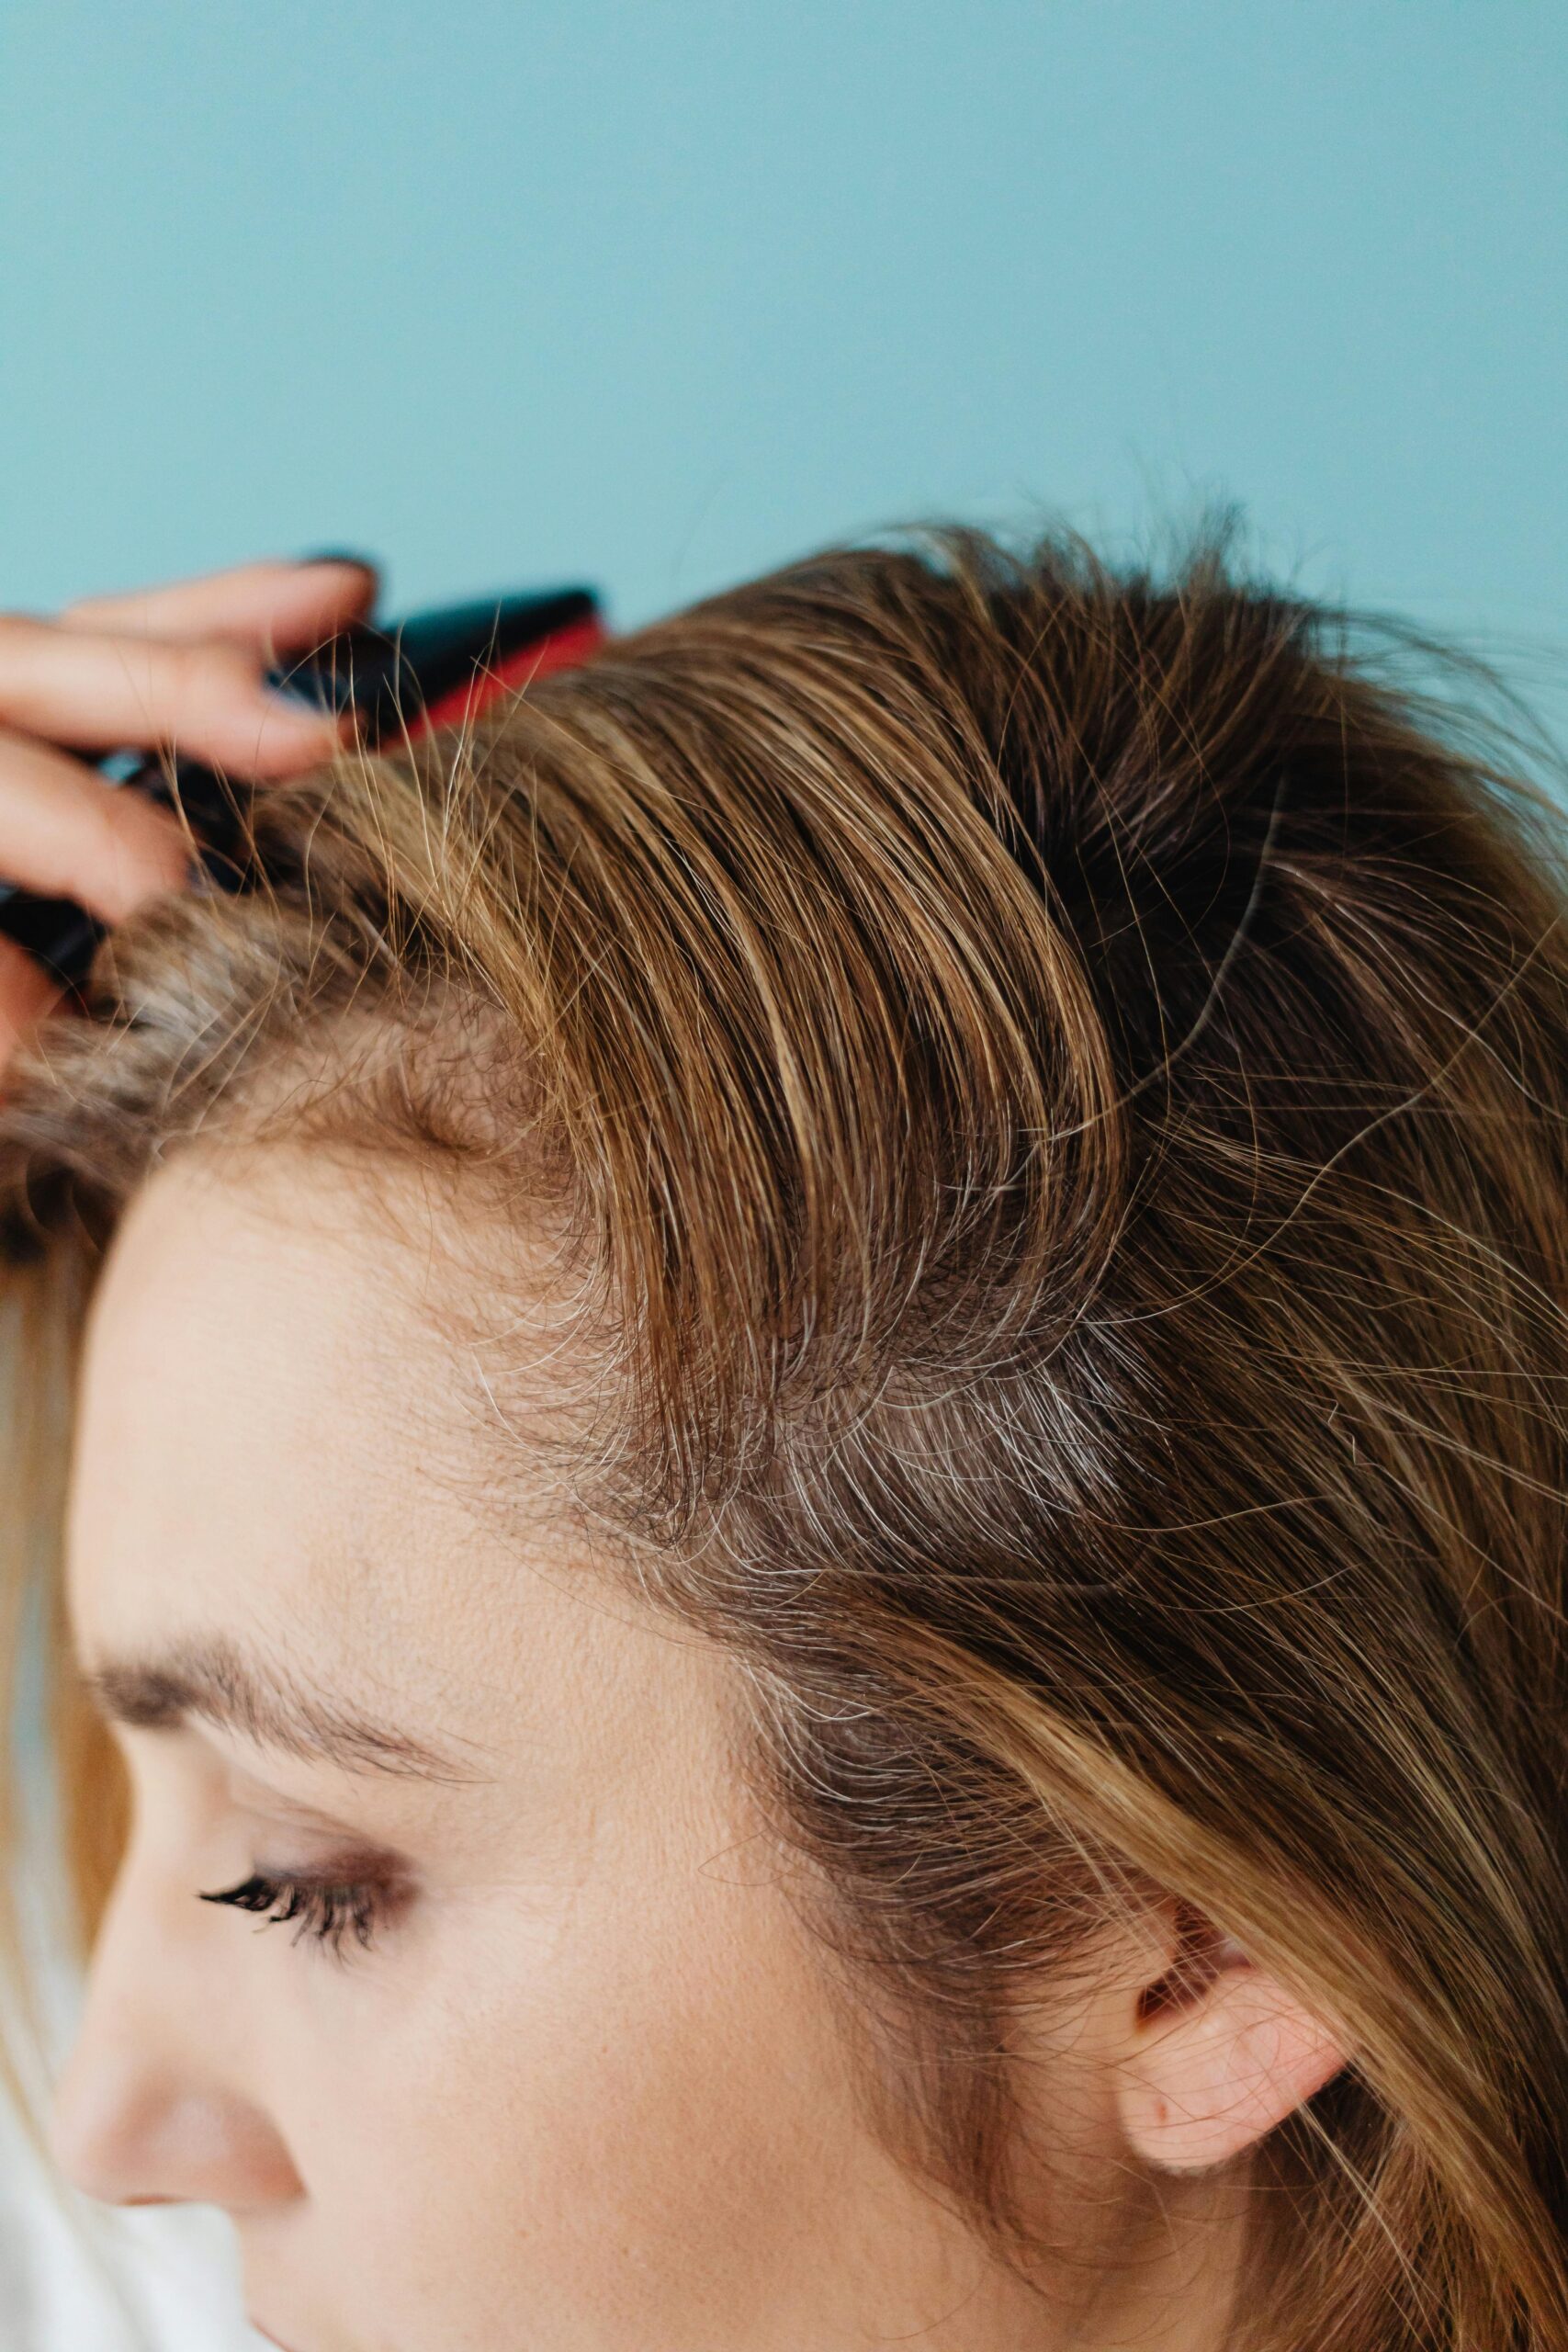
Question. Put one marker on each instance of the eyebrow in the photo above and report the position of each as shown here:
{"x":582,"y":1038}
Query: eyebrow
{"x":214,"y":1682}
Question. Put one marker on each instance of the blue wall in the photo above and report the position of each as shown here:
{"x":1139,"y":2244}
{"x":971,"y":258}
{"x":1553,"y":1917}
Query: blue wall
{"x":660,"y":292}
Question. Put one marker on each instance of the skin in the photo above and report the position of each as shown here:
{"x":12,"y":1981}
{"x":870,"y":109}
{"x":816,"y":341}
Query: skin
{"x":585,"y":2087}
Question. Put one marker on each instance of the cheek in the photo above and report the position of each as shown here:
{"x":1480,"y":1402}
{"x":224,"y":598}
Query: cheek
{"x":628,"y":2122}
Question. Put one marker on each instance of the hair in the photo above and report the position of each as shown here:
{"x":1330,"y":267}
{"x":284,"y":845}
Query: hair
{"x":1055,"y":1076}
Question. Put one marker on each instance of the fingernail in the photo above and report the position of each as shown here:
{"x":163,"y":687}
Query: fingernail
{"x":341,"y":555}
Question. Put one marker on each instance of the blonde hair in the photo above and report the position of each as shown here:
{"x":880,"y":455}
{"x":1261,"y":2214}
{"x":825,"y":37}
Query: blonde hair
{"x":1056,"y":1080}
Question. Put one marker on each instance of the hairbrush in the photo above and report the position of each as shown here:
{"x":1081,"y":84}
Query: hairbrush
{"x":430,"y":669}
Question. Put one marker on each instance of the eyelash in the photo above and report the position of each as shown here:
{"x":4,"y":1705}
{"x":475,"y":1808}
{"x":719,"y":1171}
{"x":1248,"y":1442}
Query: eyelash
{"x":325,"y":1909}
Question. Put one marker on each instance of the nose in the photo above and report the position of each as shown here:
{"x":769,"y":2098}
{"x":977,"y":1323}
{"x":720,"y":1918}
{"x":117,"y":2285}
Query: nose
{"x":153,"y":2105}
{"x":124,"y":2131}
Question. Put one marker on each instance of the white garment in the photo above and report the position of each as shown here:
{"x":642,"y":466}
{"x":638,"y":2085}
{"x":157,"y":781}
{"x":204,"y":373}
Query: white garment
{"x":75,"y":2276}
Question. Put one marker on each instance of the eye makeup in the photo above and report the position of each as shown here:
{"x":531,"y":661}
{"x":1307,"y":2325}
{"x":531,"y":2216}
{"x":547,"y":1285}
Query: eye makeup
{"x":330,"y":1906}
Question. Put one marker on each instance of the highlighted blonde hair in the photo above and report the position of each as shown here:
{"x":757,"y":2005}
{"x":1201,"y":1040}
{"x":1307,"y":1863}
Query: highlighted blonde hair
{"x":1053,"y":1078}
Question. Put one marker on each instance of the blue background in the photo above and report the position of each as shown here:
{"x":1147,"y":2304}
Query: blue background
{"x":657,"y":292}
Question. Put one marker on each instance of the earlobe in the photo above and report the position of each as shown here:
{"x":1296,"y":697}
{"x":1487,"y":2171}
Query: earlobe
{"x":1218,"y":2056}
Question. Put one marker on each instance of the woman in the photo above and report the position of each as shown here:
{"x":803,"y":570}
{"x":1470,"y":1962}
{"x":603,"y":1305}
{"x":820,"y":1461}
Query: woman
{"x":819,"y":1417}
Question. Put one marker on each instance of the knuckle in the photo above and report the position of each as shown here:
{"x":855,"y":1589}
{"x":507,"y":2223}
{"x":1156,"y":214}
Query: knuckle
{"x":189,"y":685}
{"x":217,"y":674}
{"x":109,"y":827}
{"x":136,"y":841}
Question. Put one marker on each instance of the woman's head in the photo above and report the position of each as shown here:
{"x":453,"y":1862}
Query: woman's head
{"x":860,"y":1316}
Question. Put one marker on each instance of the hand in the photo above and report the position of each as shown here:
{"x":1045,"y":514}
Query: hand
{"x":180,"y":666}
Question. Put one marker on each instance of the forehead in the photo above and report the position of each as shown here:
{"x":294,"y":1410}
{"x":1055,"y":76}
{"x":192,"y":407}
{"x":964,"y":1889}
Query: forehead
{"x":272,"y":1432}
{"x":278,"y":1450}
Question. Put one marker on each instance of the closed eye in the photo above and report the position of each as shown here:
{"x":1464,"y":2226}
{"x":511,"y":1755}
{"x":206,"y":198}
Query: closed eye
{"x":328,"y":1909}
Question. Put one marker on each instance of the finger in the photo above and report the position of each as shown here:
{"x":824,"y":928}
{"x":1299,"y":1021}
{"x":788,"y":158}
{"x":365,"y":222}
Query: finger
{"x":208,"y":700}
{"x":27,"y":994}
{"x":273,"y":606}
{"x":66,"y":834}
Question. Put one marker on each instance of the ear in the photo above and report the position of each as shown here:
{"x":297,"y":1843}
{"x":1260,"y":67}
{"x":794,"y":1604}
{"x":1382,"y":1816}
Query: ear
{"x":1216,"y":2053}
